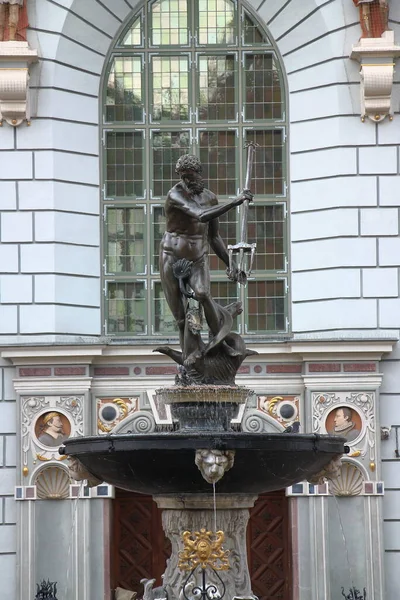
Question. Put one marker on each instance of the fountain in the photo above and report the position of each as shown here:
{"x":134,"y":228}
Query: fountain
{"x":180,"y":469}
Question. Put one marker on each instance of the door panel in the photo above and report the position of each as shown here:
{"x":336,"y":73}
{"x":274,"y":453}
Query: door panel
{"x":269,"y":552}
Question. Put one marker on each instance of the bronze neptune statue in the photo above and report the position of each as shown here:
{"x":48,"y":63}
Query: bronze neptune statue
{"x":192,"y":227}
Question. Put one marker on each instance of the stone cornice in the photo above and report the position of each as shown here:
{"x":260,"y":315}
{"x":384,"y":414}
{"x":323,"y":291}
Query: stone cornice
{"x":293,"y":350}
{"x":339,"y":381}
{"x":57,"y":385}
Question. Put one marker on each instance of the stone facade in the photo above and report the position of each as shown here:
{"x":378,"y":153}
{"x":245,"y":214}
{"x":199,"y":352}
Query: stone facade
{"x":345,"y":250}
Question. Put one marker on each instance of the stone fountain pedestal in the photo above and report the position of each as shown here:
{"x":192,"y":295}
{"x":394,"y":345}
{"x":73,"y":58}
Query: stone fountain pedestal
{"x":193,"y":512}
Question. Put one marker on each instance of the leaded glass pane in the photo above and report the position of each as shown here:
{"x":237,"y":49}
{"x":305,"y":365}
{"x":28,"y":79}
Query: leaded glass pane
{"x":158,"y":225}
{"x":252,"y":33}
{"x":227,"y":230}
{"x":124,"y":164}
{"x":266,"y":306}
{"x":218,"y":156}
{"x":169,"y":23}
{"x":124,"y":90}
{"x":217,"y":83}
{"x":166,"y":148}
{"x":268,"y":176}
{"x":263,"y":96}
{"x":170,"y":88}
{"x":127,"y":307}
{"x":217,"y":22}
{"x":266,"y":227}
{"x":133,"y":37}
{"x":164,"y":322}
{"x":126,"y":234}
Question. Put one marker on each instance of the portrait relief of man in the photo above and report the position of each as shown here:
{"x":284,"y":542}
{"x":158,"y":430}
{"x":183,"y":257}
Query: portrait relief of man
{"x":344,"y":424}
{"x":52,"y":432}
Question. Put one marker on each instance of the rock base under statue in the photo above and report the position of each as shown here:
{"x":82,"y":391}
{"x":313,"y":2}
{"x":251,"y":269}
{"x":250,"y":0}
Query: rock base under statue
{"x":192,"y":512}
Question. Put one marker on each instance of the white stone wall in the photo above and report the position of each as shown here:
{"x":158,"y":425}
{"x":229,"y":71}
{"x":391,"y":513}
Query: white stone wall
{"x":344,"y":205}
{"x":8,"y":461}
{"x":344,"y":197}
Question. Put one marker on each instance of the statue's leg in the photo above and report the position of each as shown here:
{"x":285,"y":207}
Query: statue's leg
{"x":2,"y":21}
{"x":200,"y":283}
{"x":173,"y":296}
{"x":13,"y":18}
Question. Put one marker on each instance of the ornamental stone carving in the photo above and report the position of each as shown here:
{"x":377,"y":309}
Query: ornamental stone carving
{"x":46,"y":421}
{"x":213,"y":464}
{"x":351,"y":415}
{"x":111,"y":411}
{"x":255,"y":421}
{"x":78,"y":472}
{"x":139,"y":422}
{"x":377,"y":57}
{"x":330,"y":471}
{"x":349,"y":481}
{"x":233,"y":523}
{"x":15,"y":60}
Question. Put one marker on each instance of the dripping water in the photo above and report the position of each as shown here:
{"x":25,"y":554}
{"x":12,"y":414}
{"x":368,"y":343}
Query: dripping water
{"x":71,"y":537}
{"x":215,"y":508}
{"x":346,"y":549}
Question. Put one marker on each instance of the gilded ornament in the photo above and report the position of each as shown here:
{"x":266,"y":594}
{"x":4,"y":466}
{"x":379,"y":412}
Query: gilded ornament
{"x":372,"y":466}
{"x":355,"y":454}
{"x":272,"y":403}
{"x":42,"y":458}
{"x":203,"y":549}
{"x":122,"y":404}
{"x":25,"y":471}
{"x":103,"y":427}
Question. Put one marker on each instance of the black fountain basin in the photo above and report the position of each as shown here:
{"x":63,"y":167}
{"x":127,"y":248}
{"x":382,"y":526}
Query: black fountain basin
{"x":164,"y":463}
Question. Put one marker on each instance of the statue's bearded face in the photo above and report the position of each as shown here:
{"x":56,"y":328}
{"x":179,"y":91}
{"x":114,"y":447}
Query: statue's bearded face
{"x":193,"y":181}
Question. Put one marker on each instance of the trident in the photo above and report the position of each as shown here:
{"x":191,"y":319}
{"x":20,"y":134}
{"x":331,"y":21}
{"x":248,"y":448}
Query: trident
{"x":243,"y":247}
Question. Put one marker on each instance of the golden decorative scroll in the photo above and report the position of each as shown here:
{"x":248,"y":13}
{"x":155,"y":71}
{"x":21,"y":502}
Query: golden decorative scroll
{"x":203,"y":549}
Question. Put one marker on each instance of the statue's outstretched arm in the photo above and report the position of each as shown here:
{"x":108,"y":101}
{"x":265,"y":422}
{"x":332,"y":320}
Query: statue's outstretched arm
{"x":204,"y":215}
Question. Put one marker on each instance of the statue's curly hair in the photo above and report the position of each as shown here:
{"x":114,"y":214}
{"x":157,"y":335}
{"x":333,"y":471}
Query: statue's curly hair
{"x":188,"y":162}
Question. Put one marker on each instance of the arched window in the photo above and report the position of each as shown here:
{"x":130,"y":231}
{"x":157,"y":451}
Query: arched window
{"x":201,"y":77}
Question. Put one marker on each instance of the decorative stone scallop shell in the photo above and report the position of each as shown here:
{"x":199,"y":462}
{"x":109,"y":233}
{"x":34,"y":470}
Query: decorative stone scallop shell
{"x":52,"y":483}
{"x":350,"y":482}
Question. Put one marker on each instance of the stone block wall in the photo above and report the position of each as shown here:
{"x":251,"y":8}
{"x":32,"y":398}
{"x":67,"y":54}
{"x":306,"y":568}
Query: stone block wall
{"x":345,"y":219}
{"x":344,"y":205}
{"x":8,"y":461}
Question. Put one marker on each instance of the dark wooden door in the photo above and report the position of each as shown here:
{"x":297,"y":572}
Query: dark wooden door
{"x":269,"y":550}
{"x":140,"y":549}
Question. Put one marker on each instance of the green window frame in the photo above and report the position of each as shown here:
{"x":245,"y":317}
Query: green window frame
{"x":150,"y":119}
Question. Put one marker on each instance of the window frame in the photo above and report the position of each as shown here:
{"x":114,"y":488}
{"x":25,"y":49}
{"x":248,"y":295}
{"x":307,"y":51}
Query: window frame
{"x":194,"y":127}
